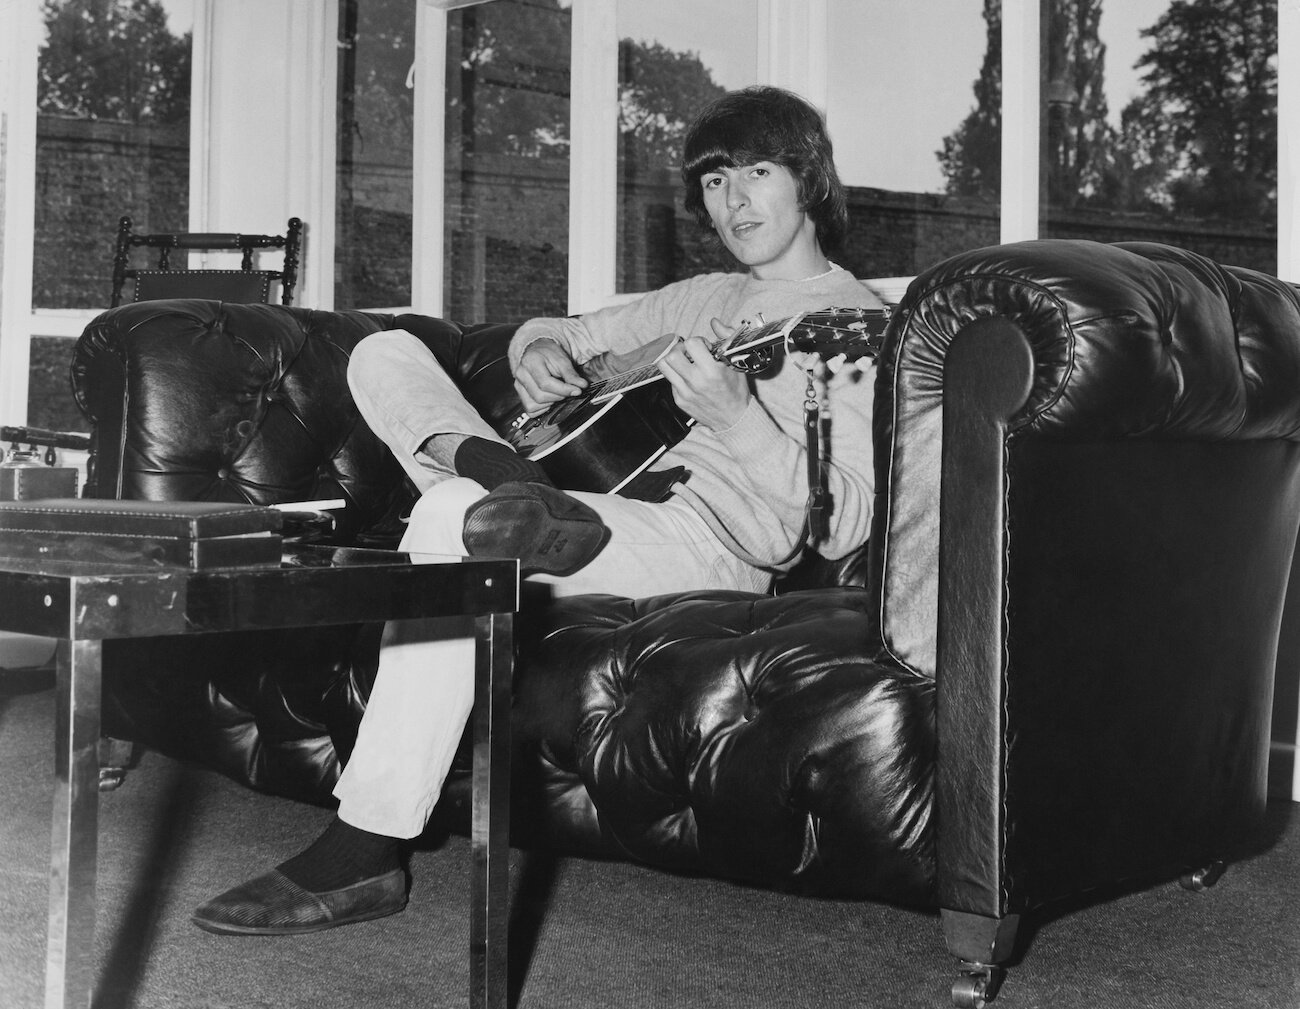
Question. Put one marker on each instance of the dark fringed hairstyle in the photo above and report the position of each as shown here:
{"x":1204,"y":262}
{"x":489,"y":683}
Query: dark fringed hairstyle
{"x":768,"y":124}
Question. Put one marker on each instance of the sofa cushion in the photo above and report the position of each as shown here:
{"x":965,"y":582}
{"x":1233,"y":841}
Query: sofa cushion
{"x":744,"y":736}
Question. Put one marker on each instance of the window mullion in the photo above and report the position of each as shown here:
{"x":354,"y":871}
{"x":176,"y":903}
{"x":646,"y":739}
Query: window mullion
{"x":18,"y":92}
{"x":1288,"y":154}
{"x":428,"y":196}
{"x":1021,"y":44}
{"x":593,"y":155}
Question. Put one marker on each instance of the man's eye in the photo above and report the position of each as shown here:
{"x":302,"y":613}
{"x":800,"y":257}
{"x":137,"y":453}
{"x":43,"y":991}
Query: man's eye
{"x":712,"y":183}
{"x":760,"y":172}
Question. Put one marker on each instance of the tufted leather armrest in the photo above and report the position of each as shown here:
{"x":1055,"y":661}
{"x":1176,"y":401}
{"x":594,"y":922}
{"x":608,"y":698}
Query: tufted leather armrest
{"x":1129,"y":342}
{"x":1112,"y":437}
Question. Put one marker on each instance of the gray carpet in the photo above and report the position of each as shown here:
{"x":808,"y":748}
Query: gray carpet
{"x":587,"y":933}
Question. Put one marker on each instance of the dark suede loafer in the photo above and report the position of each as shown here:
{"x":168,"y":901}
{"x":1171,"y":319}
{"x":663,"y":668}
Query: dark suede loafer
{"x":272,"y":904}
{"x":547,"y":529}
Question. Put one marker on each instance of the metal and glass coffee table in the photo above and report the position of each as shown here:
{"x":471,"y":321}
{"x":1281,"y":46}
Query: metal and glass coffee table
{"x":82,"y":605}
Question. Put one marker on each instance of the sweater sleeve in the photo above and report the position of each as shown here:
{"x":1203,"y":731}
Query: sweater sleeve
{"x":620,"y":329}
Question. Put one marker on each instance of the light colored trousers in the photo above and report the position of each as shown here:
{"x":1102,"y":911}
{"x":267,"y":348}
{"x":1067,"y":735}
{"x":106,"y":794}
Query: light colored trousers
{"x":424,"y":689}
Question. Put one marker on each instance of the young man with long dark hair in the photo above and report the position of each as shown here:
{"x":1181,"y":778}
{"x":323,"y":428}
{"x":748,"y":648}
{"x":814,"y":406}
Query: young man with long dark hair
{"x":758,"y":171}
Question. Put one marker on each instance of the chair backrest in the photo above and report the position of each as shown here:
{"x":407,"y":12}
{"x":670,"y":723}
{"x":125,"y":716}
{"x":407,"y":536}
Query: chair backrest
{"x":243,"y":286}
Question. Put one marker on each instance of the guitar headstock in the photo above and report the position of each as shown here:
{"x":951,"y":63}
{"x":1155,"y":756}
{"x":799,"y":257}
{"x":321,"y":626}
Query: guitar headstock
{"x":851,"y":333}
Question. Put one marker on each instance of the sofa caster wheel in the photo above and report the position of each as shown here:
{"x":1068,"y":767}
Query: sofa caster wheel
{"x":976,"y":985}
{"x":115,"y":757}
{"x":1202,"y":879}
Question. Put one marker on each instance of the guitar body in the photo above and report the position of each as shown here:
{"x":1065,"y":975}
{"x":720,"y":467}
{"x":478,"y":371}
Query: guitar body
{"x":599,"y":447}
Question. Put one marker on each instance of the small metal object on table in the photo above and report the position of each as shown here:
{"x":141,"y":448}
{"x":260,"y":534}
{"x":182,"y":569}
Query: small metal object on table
{"x":82,"y":605}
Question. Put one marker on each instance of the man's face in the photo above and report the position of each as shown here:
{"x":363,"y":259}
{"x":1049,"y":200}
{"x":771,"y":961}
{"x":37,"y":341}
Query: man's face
{"x":755,"y":211}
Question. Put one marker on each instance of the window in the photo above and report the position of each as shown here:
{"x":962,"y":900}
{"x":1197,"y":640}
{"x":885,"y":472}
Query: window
{"x":915,"y":115}
{"x":113,"y":115}
{"x":112,"y":138}
{"x":507,"y":147}
{"x":1160,"y":124}
{"x":672,"y":60}
{"x":373,"y":178}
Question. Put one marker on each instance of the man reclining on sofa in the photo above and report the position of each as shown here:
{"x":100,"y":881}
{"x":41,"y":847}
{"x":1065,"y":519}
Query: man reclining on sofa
{"x":758,"y":170}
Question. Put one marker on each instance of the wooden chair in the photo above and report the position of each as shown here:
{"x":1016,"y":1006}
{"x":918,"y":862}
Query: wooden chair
{"x":244,"y":286}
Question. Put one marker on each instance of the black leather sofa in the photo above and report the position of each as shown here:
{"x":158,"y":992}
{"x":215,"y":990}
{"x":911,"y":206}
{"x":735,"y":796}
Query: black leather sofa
{"x":1048,"y":672}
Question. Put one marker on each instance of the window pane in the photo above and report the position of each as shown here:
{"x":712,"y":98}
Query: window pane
{"x":674,"y":58}
{"x":507,"y":182}
{"x":1161,"y":124}
{"x":112,"y":138}
{"x":914,"y":112}
{"x":372,"y":251}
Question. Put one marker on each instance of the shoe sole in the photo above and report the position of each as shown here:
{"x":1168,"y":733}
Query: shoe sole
{"x":217,"y":928}
{"x":524,"y":524}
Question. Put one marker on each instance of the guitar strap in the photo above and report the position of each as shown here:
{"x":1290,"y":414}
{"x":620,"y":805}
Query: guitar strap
{"x":817,"y":526}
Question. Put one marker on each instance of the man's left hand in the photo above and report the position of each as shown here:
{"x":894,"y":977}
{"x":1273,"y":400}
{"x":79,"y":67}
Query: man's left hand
{"x":707,"y":389}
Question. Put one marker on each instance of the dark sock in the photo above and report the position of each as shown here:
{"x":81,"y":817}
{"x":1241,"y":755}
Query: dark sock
{"x":341,"y":856}
{"x":492,"y":464}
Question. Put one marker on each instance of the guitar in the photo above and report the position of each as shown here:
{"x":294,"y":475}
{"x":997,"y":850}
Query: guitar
{"x":626,"y":418}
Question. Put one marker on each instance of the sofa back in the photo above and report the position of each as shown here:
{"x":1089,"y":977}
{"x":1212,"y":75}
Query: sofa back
{"x":204,"y":400}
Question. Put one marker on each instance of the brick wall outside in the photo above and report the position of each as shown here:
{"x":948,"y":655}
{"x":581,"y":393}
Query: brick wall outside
{"x":88,"y":174}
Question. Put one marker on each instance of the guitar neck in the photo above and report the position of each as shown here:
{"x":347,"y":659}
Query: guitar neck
{"x":755,"y":338}
{"x":852,"y":332}
{"x":607,"y":388}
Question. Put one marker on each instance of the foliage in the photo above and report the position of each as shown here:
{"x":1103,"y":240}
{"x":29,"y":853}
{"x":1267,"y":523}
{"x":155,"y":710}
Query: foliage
{"x":971,"y":158}
{"x":660,"y":91}
{"x":1079,"y":140}
{"x":508,"y":88}
{"x":113,"y":59}
{"x":376,"y":108}
{"x":1200,"y":139}
{"x":511,"y":95}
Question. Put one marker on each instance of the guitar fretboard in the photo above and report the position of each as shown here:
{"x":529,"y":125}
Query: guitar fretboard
{"x":608,"y":388}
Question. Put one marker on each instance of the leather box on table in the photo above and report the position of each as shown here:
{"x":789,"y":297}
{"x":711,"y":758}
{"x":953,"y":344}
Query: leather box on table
{"x":27,"y":483}
{"x":188,"y":534}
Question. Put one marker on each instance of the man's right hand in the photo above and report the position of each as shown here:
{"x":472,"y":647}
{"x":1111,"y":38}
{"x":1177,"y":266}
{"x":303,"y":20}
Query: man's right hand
{"x":545,"y":375}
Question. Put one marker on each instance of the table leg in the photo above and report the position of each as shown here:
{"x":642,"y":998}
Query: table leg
{"x":74,"y":842}
{"x":490,"y":822}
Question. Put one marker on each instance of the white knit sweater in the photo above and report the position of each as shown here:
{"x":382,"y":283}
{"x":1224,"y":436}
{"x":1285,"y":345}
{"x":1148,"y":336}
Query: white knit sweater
{"x":749,"y":482}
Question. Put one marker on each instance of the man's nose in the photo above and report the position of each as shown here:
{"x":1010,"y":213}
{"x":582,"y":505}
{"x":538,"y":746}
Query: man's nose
{"x":737,"y":196}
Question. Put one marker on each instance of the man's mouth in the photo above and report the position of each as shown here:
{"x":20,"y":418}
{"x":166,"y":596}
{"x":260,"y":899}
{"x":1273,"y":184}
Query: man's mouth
{"x":743,"y":228}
